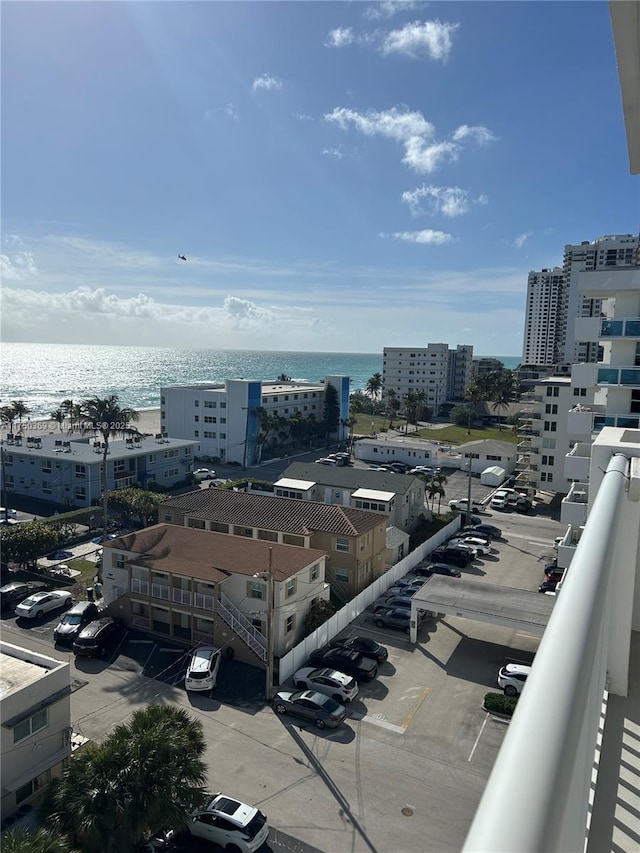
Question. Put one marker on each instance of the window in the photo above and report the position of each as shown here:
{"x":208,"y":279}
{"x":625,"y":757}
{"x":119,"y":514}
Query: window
{"x":549,"y":443}
{"x":223,"y":435}
{"x":579,"y":392}
{"x":81,"y":471}
{"x":46,"y":466}
{"x":315,"y":572}
{"x":197,"y":419}
{"x":81,"y":493}
{"x":118,"y":466}
{"x":290,"y":624}
{"x":548,"y":460}
{"x":46,"y":487}
{"x":196,"y":403}
{"x":291,"y":587}
{"x":342,"y":575}
{"x":546,"y":477}
{"x":31,"y":725}
{"x":342,"y":545}
{"x":255,"y":589}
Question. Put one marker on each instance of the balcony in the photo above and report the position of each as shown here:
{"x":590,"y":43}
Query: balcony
{"x":574,"y":506}
{"x":628,"y":421}
{"x":620,"y":328}
{"x":567,"y":548}
{"x":579,"y":792}
{"x":576,"y":462}
{"x":580,"y":421}
{"x":627,"y":376}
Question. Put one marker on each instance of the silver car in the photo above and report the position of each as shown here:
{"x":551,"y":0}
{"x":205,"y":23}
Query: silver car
{"x":341,"y":687}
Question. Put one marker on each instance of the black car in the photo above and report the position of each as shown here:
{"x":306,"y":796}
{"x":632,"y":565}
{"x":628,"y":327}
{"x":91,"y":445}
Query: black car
{"x":364,"y":646}
{"x":548,"y":586}
{"x":74,"y":621}
{"x":351,"y":663}
{"x":94,"y":638}
{"x":437,"y":569}
{"x":457,"y":556}
{"x":16,"y":591}
{"x":485,"y":529}
{"x":553,"y":573}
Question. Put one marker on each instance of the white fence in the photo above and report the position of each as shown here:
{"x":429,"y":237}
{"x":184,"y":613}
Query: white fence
{"x":297,"y":656}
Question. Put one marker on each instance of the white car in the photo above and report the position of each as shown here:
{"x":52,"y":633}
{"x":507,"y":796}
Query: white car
{"x":202,"y":670}
{"x":230,"y":823}
{"x":512,"y":678}
{"x":341,"y":687}
{"x":204,"y":473}
{"x":326,"y":460}
{"x":467,"y":546}
{"x":377,"y":468}
{"x":40,"y":603}
{"x":10,"y":512}
{"x":474,"y":538}
{"x":478,"y":542}
{"x":461,"y":505}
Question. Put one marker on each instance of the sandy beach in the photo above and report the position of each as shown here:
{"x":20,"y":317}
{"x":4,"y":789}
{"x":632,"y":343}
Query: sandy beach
{"x":148,"y":422}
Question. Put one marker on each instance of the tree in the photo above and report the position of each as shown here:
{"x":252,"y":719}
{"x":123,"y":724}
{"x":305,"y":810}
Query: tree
{"x":67,"y":407}
{"x":24,"y":543}
{"x":136,"y":502}
{"x":106,"y":416}
{"x":373,"y":389}
{"x":147,"y":774}
{"x":40,"y":840}
{"x":460,"y":415}
{"x":283,"y":378}
{"x":318,"y":615}
{"x":58,"y":416}
{"x":20,"y":411}
{"x":474,"y":394}
{"x":8,"y":415}
{"x":331,"y":409}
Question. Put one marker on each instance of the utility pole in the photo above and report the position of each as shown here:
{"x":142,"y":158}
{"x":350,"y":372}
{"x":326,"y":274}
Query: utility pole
{"x":270,"y":626}
{"x":469,"y":493}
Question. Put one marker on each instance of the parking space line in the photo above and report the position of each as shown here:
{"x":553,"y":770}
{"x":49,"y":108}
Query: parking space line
{"x":383,"y":724}
{"x":407,"y":720}
{"x":478,"y":738}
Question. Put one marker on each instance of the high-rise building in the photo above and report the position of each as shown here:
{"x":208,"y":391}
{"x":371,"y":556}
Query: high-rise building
{"x":611,"y":250}
{"x":440,"y":372}
{"x":542,"y":341}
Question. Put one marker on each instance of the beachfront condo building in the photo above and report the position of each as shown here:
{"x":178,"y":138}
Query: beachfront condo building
{"x":440,"y":372}
{"x":235,"y":420}
{"x":541,"y":330}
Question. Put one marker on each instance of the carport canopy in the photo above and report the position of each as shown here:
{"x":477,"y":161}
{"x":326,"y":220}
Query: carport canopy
{"x":483,"y":602}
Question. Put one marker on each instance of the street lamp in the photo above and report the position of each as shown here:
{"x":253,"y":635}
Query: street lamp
{"x":268,"y":576}
{"x":469,"y":493}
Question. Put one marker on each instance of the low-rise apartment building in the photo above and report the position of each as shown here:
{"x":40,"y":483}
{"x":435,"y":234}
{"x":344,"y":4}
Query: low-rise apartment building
{"x":400,"y":497}
{"x":198,"y":586}
{"x":440,"y":372}
{"x":35,"y":735}
{"x":384,"y":449}
{"x":67,"y":471}
{"x":353,"y":539}
{"x":232,"y":421}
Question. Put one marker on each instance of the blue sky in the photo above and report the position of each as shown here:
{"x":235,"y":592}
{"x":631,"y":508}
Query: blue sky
{"x":341,"y":176}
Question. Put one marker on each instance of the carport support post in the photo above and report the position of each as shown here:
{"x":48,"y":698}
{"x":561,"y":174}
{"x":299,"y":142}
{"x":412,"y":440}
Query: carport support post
{"x":468,"y":522}
{"x":270,"y":637}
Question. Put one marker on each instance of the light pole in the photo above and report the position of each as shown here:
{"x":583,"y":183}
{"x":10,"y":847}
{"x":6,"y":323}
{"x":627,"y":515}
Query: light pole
{"x":268,"y":575}
{"x":469,"y":493}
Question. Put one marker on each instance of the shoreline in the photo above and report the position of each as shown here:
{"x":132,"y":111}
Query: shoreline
{"x":148,"y":422}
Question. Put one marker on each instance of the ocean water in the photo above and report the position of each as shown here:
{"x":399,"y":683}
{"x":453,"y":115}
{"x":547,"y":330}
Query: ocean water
{"x":43,"y":375}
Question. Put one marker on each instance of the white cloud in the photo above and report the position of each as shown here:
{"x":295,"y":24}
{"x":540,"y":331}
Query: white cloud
{"x":482,"y":135}
{"x":449,"y":201}
{"x":302,"y":117}
{"x":421,"y":38}
{"x":265,"y":81}
{"x":521,"y":239}
{"x":423,"y":152}
{"x":338,"y":152}
{"x":230,"y":111}
{"x":389,"y":8}
{"x":340,"y":37}
{"x":18,"y":266}
{"x":426,"y":237}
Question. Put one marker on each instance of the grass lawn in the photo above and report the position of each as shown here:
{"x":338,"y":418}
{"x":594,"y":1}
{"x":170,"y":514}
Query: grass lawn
{"x":458,"y":435}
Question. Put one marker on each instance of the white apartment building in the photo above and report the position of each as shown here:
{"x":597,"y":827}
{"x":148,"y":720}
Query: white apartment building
{"x":541,"y":333}
{"x":35,"y":736}
{"x":226,"y":418}
{"x":440,"y":372}
{"x":611,"y":250}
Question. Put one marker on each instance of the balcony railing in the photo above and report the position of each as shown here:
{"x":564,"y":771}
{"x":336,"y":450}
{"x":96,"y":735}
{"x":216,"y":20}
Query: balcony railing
{"x":202,"y":601}
{"x":537,"y":799}
{"x":628,"y":376}
{"x":181,"y":596}
{"x":161,"y":590}
{"x":141,"y":587}
{"x":624,"y":328}
{"x":628,"y":421}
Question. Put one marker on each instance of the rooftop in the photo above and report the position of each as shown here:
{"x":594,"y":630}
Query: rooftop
{"x":350,"y":478}
{"x":211,"y":556}
{"x":81,"y":448}
{"x":21,"y":667}
{"x":287,"y":515}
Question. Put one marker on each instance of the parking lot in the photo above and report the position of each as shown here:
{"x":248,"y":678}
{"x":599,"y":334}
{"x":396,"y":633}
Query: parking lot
{"x":407,"y":768}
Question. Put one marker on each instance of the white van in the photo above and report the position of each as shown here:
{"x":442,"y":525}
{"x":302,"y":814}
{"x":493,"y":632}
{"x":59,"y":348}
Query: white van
{"x":202,"y":671}
{"x":500,"y":499}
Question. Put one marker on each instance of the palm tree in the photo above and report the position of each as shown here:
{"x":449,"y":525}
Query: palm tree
{"x":40,"y":840}
{"x":8,"y":415}
{"x":67,"y":408}
{"x":77,"y":413}
{"x":20,"y":410}
{"x":410,"y":402}
{"x":146,"y":775}
{"x":374,"y":385}
{"x":474,"y":394}
{"x":106,"y":416}
{"x":58,"y":416}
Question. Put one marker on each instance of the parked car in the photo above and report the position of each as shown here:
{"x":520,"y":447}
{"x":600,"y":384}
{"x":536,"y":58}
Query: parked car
{"x":477,"y":545}
{"x":60,"y":555}
{"x":364,"y":646}
{"x":524,"y":506}
{"x":344,"y":660}
{"x":202,"y":669}
{"x":331,"y":682}
{"x":93,"y":640}
{"x":40,"y":603}
{"x":437,"y":569}
{"x":500,"y":499}
{"x":100,"y":539}
{"x":423,"y":469}
{"x":407,"y":588}
{"x":456,"y":556}
{"x":311,"y":705}
{"x":548,"y":586}
{"x":7,"y":512}
{"x":16,"y":591}
{"x":74,"y":621}
{"x":399,"y":467}
{"x":553,"y":573}
{"x":512,"y":678}
{"x":204,"y":473}
{"x":394,"y":617}
{"x":325,"y":460}
{"x":230,"y":823}
{"x":403,"y":601}
{"x":474,"y":538}
{"x":484,"y":529}
{"x":377,"y":468}
{"x":462,"y":505}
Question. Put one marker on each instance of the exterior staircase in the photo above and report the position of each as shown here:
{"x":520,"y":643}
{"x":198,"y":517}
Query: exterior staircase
{"x":242,"y":626}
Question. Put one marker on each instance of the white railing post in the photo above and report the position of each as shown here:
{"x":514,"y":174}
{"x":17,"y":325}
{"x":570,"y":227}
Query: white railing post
{"x":536,"y":798}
